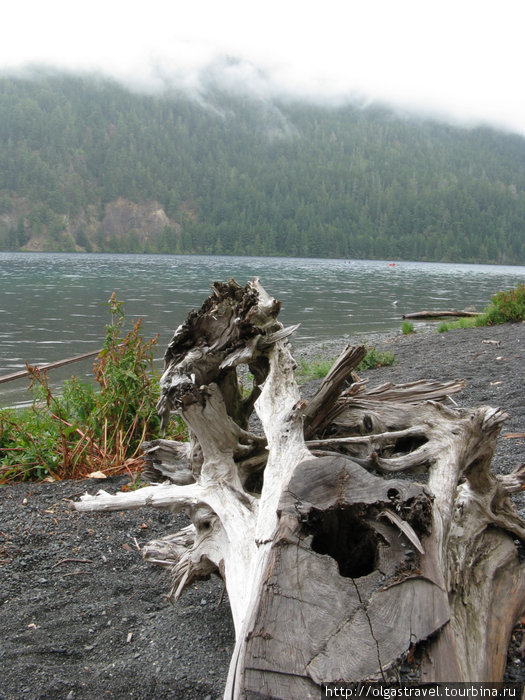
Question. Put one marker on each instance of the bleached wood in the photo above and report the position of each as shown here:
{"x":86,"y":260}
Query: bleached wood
{"x":333,"y":572}
{"x":159,"y":496}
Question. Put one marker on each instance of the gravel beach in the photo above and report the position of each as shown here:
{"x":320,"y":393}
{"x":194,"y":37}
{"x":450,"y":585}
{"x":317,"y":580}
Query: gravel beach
{"x":83,"y":617}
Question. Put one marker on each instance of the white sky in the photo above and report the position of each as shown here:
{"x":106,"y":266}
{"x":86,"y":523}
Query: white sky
{"x":457,"y":59}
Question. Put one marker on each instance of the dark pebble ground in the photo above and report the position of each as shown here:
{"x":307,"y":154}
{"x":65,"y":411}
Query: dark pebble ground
{"x":83,"y":617}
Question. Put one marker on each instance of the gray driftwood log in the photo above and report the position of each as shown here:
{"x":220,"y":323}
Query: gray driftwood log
{"x":442,"y":314}
{"x":339,"y":566}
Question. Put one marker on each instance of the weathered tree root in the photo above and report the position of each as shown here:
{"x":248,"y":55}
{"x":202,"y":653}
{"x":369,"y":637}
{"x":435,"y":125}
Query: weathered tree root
{"x":335,"y":569}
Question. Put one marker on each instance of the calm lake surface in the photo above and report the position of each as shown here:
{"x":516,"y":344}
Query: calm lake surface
{"x":53,"y":306}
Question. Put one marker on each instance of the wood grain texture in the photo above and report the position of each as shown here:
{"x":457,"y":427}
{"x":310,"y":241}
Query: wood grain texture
{"x":339,"y":565}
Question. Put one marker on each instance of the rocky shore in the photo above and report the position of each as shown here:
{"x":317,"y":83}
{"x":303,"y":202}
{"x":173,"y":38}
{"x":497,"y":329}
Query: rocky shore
{"x":83,"y":617}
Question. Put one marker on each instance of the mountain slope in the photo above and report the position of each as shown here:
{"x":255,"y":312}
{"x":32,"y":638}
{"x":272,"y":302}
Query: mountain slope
{"x":87,"y":165}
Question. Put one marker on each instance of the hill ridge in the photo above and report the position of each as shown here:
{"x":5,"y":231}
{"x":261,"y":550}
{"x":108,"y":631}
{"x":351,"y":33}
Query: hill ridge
{"x":85,"y":163}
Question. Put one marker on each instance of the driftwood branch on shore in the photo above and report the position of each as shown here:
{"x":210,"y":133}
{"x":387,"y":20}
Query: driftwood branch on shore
{"x":441,"y":314}
{"x":339,"y":564}
{"x":51,"y":365}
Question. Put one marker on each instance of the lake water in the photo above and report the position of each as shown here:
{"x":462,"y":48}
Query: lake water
{"x":53,"y":306}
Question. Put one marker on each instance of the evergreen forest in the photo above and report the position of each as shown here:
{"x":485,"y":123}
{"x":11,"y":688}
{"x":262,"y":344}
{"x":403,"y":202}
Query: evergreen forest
{"x":89,"y":165}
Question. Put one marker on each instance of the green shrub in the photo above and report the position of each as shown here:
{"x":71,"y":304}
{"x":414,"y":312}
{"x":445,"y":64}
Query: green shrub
{"x":374,"y":358}
{"x":84,"y":429}
{"x":28,"y":441}
{"x":316,"y":369}
{"x":443,"y":327}
{"x":466,"y":322}
{"x":506,"y":306}
{"x":407,"y":327}
{"x":319,"y":367}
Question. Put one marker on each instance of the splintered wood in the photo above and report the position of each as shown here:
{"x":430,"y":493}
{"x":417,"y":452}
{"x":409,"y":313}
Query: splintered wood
{"x":338,"y":567}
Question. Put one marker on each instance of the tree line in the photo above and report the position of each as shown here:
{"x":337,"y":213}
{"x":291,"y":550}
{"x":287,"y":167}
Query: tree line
{"x":235,"y":174}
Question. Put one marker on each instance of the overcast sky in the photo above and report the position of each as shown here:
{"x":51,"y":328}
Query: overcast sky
{"x":456,"y":59}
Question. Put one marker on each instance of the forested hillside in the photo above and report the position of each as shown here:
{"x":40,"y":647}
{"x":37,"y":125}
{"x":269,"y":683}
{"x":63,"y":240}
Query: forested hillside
{"x":87,"y":165}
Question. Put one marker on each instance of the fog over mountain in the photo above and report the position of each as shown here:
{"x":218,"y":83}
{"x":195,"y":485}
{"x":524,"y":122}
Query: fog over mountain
{"x":460,"y":62}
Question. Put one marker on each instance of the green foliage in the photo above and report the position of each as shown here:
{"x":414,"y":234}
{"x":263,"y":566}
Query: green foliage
{"x":374,"y":358}
{"x":507,"y":306}
{"x":467,"y":322}
{"x":407,"y":327}
{"x":83,"y":429}
{"x":246,"y":384}
{"x":238,"y":175}
{"x":315,"y":369}
{"x":28,"y":442}
{"x":129,"y":389}
{"x":319,"y":367}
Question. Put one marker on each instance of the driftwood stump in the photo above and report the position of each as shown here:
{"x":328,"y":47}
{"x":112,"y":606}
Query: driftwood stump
{"x":339,"y":566}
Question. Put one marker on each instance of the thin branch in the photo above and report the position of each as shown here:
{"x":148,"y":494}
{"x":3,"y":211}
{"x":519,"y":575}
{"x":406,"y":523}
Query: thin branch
{"x":160,"y":496}
{"x":415,"y":431}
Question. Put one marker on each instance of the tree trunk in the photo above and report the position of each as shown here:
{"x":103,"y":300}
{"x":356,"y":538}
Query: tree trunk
{"x":339,"y":566}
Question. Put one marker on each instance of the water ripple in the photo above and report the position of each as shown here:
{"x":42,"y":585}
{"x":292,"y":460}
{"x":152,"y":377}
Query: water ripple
{"x":41,"y":295}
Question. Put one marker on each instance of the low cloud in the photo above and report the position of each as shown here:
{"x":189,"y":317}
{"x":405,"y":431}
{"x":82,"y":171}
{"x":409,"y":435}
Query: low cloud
{"x":456,"y":62}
